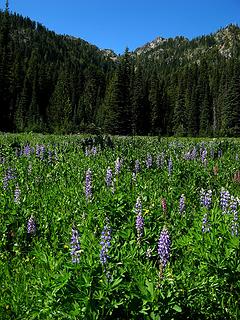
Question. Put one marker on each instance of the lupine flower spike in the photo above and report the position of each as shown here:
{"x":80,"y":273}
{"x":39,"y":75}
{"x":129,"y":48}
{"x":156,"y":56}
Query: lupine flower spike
{"x":75,"y":246}
{"x":164,"y":244}
{"x":17,"y":194}
{"x":170,"y":166}
{"x":118,"y":164}
{"x":137,"y":166}
{"x":182,"y":204}
{"x":139,"y":219}
{"x":31,"y":226}
{"x":149,"y":161}
{"x":88,"y":184}
{"x":108,"y":179}
{"x":105,"y":243}
{"x":224,"y":200}
{"x":206,"y":202}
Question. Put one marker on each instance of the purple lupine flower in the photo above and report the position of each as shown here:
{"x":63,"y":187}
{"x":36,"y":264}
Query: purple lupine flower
{"x":233,"y":204}
{"x":88,"y":184}
{"x":224,"y":200}
{"x":2,"y":160}
{"x":204,"y":156}
{"x":118,"y":164}
{"x":42,"y":151}
{"x":27,"y":150}
{"x":17,"y":194}
{"x":219,"y":153}
{"x":108,"y":178}
{"x":182,"y":204}
{"x":205,"y":224}
{"x":212,"y":153}
{"x":233,"y":209}
{"x":105,"y":243}
{"x":137,"y":166}
{"x":164,"y":244}
{"x":206,"y":198}
{"x":149,"y":161}
{"x":55,"y":155}
{"x":194,"y":153}
{"x":94,"y":150}
{"x":170,"y":166}
{"x":9,"y":175}
{"x":87,"y":152}
{"x":139,"y":219}
{"x":31,"y":226}
{"x":205,"y":201}
{"x":187,"y":156}
{"x":38,"y":150}
{"x":75,"y":246}
{"x":160,"y":160}
{"x":235,"y":224}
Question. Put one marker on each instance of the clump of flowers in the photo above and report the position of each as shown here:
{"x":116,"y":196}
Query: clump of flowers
{"x":88,"y":184}
{"x":40,"y":151}
{"x":204,"y":155}
{"x":164,"y":246}
{"x":170,"y":166}
{"x":75,"y":246}
{"x":149,"y":161}
{"x":137,"y":166}
{"x":31,"y":226}
{"x":212,"y":153}
{"x":27,"y":150}
{"x":160,"y":160}
{"x":94,"y":150}
{"x":219,"y":153}
{"x":194,"y":153}
{"x":139,"y":219}
{"x":118,"y":164}
{"x":205,"y":224}
{"x":182,"y":204}
{"x":17,"y":194}
{"x":9,"y":175}
{"x":206,"y":198}
{"x":108,"y":178}
{"x":224,"y":200}
{"x":105,"y":243}
{"x":206,"y":202}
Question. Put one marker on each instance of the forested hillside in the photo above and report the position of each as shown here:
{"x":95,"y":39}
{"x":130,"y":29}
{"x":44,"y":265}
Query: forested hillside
{"x":61,"y":84}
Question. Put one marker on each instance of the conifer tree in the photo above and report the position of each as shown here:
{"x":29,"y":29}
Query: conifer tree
{"x":60,"y":109}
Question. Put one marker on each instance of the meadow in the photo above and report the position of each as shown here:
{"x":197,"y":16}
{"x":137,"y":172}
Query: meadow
{"x":119,"y":228}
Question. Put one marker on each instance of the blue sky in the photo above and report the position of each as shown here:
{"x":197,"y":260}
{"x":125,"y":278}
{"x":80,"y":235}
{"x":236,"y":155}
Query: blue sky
{"x":118,"y":24}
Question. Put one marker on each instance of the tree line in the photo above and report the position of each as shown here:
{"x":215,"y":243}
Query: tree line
{"x":60,"y":84}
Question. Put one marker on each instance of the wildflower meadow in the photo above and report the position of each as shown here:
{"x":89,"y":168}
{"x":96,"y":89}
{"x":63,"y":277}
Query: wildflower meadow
{"x":138,"y":228}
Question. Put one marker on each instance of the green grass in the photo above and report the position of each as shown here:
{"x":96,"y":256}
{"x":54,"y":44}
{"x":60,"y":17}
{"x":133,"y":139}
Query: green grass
{"x":37,"y":276}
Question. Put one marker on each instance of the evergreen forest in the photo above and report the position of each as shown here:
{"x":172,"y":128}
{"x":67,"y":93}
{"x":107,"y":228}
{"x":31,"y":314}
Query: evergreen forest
{"x":59,"y":84}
